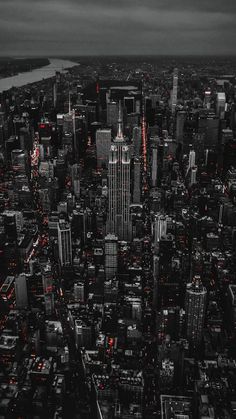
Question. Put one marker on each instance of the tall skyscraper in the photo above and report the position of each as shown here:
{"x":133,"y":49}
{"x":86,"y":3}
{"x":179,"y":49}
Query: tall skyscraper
{"x":111,"y":255}
{"x":137,"y":140}
{"x":195,"y":305}
{"x":79,"y":291}
{"x":103,"y":146}
{"x":64,"y":243}
{"x":154,"y":165}
{"x":119,"y":187}
{"x":174,"y":91}
{"x":47,"y":278}
{"x":137,"y":181}
{"x":21,"y":291}
{"x":220,"y":104}
{"x":180,"y":121}
{"x":112,"y":114}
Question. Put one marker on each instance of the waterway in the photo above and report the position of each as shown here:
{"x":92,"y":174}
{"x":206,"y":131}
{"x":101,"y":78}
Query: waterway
{"x":35,"y":75}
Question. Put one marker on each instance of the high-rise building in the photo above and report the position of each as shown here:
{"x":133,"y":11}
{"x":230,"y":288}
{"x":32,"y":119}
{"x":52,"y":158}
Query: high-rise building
{"x":193,"y":175}
{"x":154,"y":165}
{"x":180,"y":120}
{"x":111,"y":255}
{"x":47,"y":278}
{"x":174,"y":91}
{"x":112,"y":113}
{"x":159,"y":227}
{"x":64,"y":243}
{"x":220,"y":104}
{"x":83,"y":334}
{"x":195,"y":305}
{"x":119,"y":187}
{"x":137,"y":140}
{"x":103,"y":146}
{"x":21,"y":291}
{"x":137,"y":181}
{"x":79,"y":291}
{"x":191,"y":160}
{"x":207,"y":99}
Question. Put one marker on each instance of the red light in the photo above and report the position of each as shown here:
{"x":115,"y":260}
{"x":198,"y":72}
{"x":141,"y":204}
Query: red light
{"x":111,"y":342}
{"x":97,"y":88}
{"x":42,"y":126}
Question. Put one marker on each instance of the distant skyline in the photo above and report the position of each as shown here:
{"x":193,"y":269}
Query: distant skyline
{"x":109,"y":27}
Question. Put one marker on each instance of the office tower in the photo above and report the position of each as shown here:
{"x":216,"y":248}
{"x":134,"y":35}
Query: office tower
{"x":83,"y":334}
{"x":220,"y":104}
{"x":195,"y":306}
{"x":207,"y":99}
{"x":154,"y":165}
{"x":129,"y":104}
{"x":21,"y":291}
{"x":137,"y":181}
{"x":124,"y":209}
{"x":180,"y":120}
{"x":13,"y":223}
{"x":191,"y":161}
{"x":159,"y":227}
{"x":113,"y":189}
{"x":112,"y":114}
{"x":174,"y":91}
{"x":119,"y":187}
{"x":103,"y":146}
{"x":46,"y":169}
{"x":193,"y":175}
{"x":64,"y":243}
{"x":79,"y":291}
{"x":137,"y":140}
{"x":111,"y":255}
{"x":19,"y":163}
{"x":47,"y":278}
{"x":76,"y":187}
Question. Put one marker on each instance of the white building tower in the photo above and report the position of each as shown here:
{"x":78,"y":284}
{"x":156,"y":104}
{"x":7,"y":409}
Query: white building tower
{"x":64,"y":243}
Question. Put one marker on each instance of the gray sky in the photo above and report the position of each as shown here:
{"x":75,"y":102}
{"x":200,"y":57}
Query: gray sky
{"x":60,"y":27}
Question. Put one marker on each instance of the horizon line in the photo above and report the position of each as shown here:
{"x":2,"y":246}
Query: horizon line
{"x":116,"y":55}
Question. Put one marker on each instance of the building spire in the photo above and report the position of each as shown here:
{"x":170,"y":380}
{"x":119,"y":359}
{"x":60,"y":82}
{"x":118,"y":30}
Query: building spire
{"x":119,"y":130}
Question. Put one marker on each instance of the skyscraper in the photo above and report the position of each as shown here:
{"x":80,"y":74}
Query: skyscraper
{"x":64,"y":243}
{"x":195,"y":305}
{"x":154,"y":165}
{"x":220,"y":104}
{"x":103,"y":145}
{"x":21,"y":291}
{"x":137,"y":181}
{"x":112,"y":113}
{"x":174,"y":91}
{"x":111,"y":253}
{"x":180,"y":121}
{"x":119,"y":187}
{"x":159,"y":227}
{"x":137,"y":140}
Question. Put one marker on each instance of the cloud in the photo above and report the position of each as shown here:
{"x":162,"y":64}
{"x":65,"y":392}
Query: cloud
{"x":57,"y":27}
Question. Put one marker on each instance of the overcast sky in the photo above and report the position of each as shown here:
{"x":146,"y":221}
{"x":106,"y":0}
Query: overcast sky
{"x":78,"y":27}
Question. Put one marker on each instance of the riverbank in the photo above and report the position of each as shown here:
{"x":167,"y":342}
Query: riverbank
{"x":36,"y":75}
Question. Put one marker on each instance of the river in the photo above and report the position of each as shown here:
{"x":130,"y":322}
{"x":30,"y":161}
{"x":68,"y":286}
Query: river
{"x":35,"y":75}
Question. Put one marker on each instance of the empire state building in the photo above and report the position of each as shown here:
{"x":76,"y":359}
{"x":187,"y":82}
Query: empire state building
{"x":119,"y":187}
